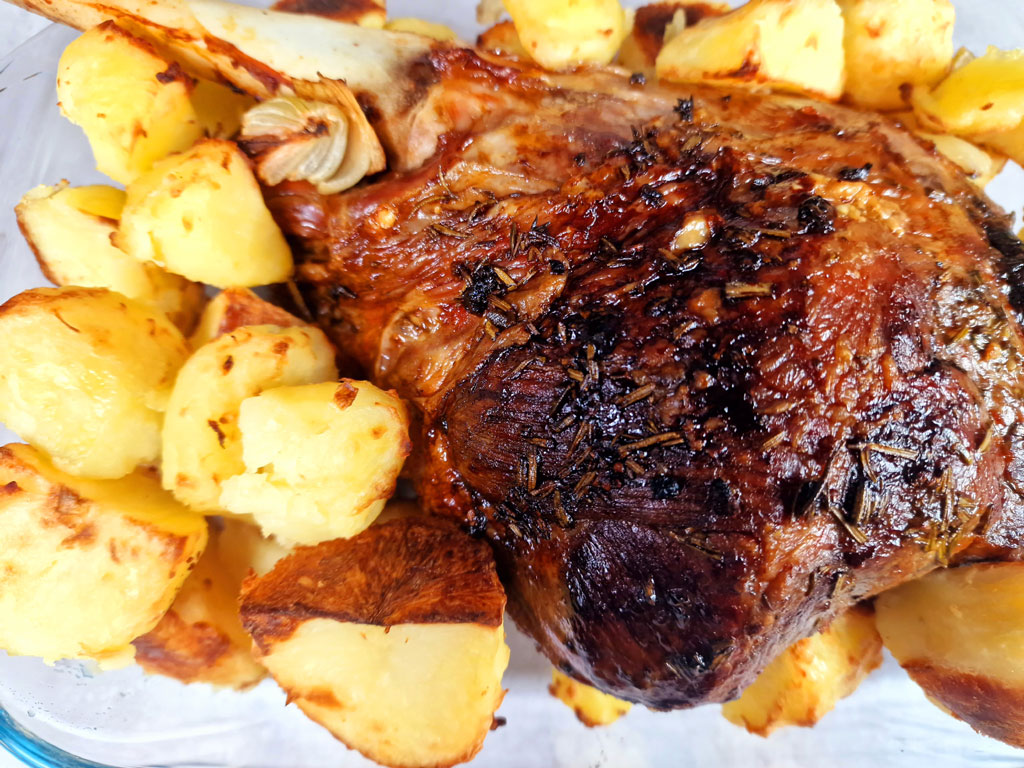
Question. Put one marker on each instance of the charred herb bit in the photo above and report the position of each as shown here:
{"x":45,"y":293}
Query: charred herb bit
{"x":817,"y":215}
{"x":638,"y":78}
{"x":557,"y":267}
{"x":748,"y":290}
{"x":563,"y":517}
{"x":638,"y":394}
{"x":855,"y":533}
{"x":665,"y":487}
{"x":651,"y":196}
{"x":648,"y":442}
{"x":538,"y":235}
{"x":531,"y":470}
{"x":483,"y":283}
{"x":583,"y":484}
{"x":986,"y":441}
{"x":505,"y":278}
{"x":855,"y":174}
{"x":580,"y":160}
{"x":774,"y":441}
{"x":444,"y":229}
{"x":634,"y":467}
{"x":684,"y":108}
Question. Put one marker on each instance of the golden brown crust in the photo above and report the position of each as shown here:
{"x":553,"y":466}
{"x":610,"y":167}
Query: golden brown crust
{"x":987,"y":705}
{"x":406,"y":571}
{"x":349,"y":11}
{"x":181,"y":650}
{"x":243,"y":307}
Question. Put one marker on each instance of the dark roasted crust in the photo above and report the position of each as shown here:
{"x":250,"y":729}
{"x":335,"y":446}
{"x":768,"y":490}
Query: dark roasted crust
{"x":989,"y":706}
{"x":888,"y":319}
{"x":405,"y":571}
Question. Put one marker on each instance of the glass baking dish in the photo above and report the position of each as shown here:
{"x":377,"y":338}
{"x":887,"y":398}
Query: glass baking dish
{"x":67,"y":715}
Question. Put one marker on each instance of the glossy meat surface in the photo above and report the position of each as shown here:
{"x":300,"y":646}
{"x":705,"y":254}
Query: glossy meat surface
{"x":704,"y":367}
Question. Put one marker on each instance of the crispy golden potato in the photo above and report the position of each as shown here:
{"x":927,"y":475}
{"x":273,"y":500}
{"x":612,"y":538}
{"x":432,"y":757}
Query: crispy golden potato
{"x":392,"y":640}
{"x":202,"y":445}
{"x":786,"y":45}
{"x":1009,"y":143}
{"x":422,"y":27}
{"x":200,"y":639}
{"x":233,"y":308}
{"x":803,"y":684}
{"x":85,"y":374}
{"x":889,"y":45}
{"x":133,"y":105}
{"x":201,"y":214}
{"x":981,"y":95}
{"x":959,"y":633}
{"x":502,"y":39}
{"x":89,"y":565}
{"x":565,"y":33}
{"x":592,"y":707}
{"x":320,"y":460}
{"x":656,"y":23}
{"x":69,"y":230}
{"x":219,"y":108}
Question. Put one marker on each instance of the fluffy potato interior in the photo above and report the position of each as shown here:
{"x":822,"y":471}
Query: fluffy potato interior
{"x":794,"y":45}
{"x":133,"y":105}
{"x":959,"y":633}
{"x":85,"y":374}
{"x":201,"y":442}
{"x":201,"y":638}
{"x":892,"y":44}
{"x":592,"y":707}
{"x":70,"y":229}
{"x":201,"y":214}
{"x":320,"y":460}
{"x":564,"y":33}
{"x":804,"y":683}
{"x":89,"y":565}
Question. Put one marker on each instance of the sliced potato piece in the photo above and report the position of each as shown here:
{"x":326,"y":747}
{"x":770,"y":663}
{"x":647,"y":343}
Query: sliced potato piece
{"x":503,"y":39}
{"x":133,"y":105}
{"x":233,"y":308}
{"x":69,"y":229}
{"x":959,"y":633}
{"x":565,"y":33}
{"x":85,"y":374}
{"x":804,"y":683}
{"x":656,"y":23}
{"x":1010,"y":143}
{"x":219,"y":108}
{"x":982,"y":95}
{"x":201,"y":214}
{"x":201,"y":443}
{"x":787,"y":45}
{"x":592,"y":707}
{"x":393,"y":640}
{"x":200,"y":639}
{"x":320,"y":460}
{"x":889,"y":45}
{"x":89,"y":565}
{"x":421,"y":27}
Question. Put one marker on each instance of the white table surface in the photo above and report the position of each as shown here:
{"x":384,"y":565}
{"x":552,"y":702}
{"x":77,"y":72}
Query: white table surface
{"x":17,"y":26}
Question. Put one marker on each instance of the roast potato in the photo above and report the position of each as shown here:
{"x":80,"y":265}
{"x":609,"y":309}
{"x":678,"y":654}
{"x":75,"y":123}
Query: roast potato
{"x":201,"y":442}
{"x":89,"y":565}
{"x":233,"y":308}
{"x":787,"y":45}
{"x":392,"y":640}
{"x":656,"y":23}
{"x":200,"y":639}
{"x":889,"y":45}
{"x":219,"y":108}
{"x":200,"y":214}
{"x":85,"y":374}
{"x":592,"y":707}
{"x":1009,"y":143}
{"x":804,"y":683}
{"x":959,"y":633}
{"x":565,"y":33}
{"x":320,"y":460}
{"x":133,"y":105}
{"x":502,"y":39}
{"x":69,"y":230}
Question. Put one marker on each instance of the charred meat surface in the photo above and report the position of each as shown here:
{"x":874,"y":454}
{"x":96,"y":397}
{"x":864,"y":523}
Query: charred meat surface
{"x":700,"y":385}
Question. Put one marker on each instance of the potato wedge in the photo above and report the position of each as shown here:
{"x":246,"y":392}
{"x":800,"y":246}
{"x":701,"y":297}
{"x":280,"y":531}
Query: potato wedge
{"x":565,"y":33}
{"x":959,"y":633}
{"x":85,"y":374}
{"x":202,"y":445}
{"x":200,"y":639}
{"x":133,"y":105}
{"x":655,"y":23}
{"x":219,"y":108}
{"x":200,"y":214}
{"x":233,"y":308}
{"x":592,"y":707}
{"x":982,"y":95}
{"x":89,"y":565}
{"x":392,"y":640}
{"x":69,"y":230}
{"x":1009,"y":143}
{"x":786,"y":45}
{"x":320,"y":460}
{"x":503,"y":39}
{"x":889,"y":45}
{"x":804,"y":683}
{"x":421,"y":27}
